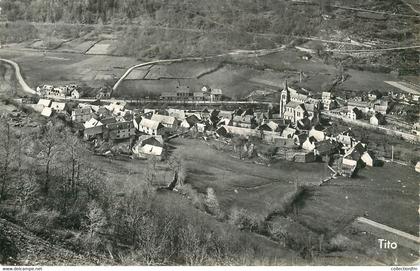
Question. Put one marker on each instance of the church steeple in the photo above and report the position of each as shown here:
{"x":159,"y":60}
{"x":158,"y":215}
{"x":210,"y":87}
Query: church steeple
{"x":284,"y":99}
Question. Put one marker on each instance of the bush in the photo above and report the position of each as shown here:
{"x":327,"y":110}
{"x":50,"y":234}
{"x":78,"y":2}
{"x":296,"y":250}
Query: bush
{"x":41,"y":221}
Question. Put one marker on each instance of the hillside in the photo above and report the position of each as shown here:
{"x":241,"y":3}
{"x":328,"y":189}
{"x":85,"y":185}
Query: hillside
{"x":21,"y":247}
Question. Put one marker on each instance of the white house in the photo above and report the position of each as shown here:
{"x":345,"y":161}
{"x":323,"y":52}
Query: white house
{"x":150,"y":127}
{"x":166,"y":121}
{"x":149,"y":145}
{"x":58,"y":107}
{"x":309,"y":143}
{"x":47,"y":112}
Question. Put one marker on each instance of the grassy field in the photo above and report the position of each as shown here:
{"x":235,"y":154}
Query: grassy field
{"x":388,"y":195}
{"x":243,"y":184}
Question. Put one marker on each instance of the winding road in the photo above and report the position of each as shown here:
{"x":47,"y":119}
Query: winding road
{"x":19,"y":77}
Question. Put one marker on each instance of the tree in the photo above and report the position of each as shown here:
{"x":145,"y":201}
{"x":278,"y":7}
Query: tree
{"x":47,"y":150}
{"x":6,"y":158}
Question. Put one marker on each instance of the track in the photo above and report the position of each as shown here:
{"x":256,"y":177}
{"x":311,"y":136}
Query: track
{"x":19,"y":77}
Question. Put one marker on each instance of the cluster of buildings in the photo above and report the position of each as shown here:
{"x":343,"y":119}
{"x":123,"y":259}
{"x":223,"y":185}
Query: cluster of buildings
{"x":61,"y":92}
{"x":185,"y":93}
{"x":295,"y":128}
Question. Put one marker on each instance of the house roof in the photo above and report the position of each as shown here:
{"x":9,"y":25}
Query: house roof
{"x":163,"y":119}
{"x":82,"y":111}
{"x":294,"y":104}
{"x":151,"y":124}
{"x":92,"y":123}
{"x":120,"y":125}
{"x":152,"y":150}
{"x":216,"y":91}
{"x":44,"y":102}
{"x":192,"y":120}
{"x":151,"y":140}
{"x":46,"y":112}
{"x":326,"y":146}
{"x":58,"y":106}
{"x":108,"y":120}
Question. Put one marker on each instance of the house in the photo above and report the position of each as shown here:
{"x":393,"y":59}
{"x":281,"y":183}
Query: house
{"x":246,"y":121}
{"x":216,"y":95}
{"x":169,"y":96}
{"x":150,"y":127}
{"x":325,"y":149}
{"x":377,"y":119}
{"x":300,"y":139}
{"x":348,"y":167}
{"x":354,"y":113}
{"x":374,"y":94}
{"x":381,"y":107}
{"x":288,"y":132}
{"x":270,"y":126}
{"x":59,"y":107}
{"x":319,"y":135}
{"x":81,"y":114}
{"x":356,"y":152}
{"x":300,"y":156}
{"x":198,"y":96}
{"x":225,"y":114}
{"x":241,"y":131}
{"x":47,"y":112}
{"x":179,"y":114}
{"x":309,"y":143}
{"x":417,"y":168}
{"x":116,"y":107}
{"x":190,"y":122}
{"x":149,"y":145}
{"x":93,"y":128}
{"x":44,"y":102}
{"x":183,"y":93}
{"x":295,"y":111}
{"x":205,"y":114}
{"x":60,"y":92}
{"x":166,"y":121}
{"x":75,"y":94}
{"x":136,"y":121}
{"x":120,"y":130}
{"x":222,"y":132}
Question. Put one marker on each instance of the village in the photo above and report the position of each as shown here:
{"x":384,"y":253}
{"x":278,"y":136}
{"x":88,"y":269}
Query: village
{"x":298,"y":128}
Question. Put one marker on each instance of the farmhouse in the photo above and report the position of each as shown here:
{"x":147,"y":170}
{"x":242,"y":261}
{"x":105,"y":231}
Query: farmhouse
{"x":150,"y":127}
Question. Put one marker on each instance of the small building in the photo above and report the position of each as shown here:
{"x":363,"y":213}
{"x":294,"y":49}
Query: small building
{"x":148,"y":145}
{"x":166,"y":121}
{"x":288,"y":132}
{"x":150,"y":127}
{"x":368,"y":158}
{"x":81,"y":115}
{"x":246,"y":121}
{"x":295,"y":111}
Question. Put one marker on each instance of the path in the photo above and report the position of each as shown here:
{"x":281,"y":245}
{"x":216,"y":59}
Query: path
{"x":19,"y":77}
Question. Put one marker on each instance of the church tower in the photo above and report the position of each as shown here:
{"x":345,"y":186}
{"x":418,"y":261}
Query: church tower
{"x":284,"y":99}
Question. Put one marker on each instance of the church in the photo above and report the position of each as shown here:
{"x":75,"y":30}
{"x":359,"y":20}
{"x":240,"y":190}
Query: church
{"x":296,"y":106}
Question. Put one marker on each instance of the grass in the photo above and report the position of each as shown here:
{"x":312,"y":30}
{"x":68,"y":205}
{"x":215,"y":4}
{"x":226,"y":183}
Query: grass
{"x":243,"y":184}
{"x":376,"y":193}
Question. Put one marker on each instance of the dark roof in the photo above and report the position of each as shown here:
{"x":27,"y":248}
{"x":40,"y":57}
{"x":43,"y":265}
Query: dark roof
{"x":108,"y":120}
{"x":326,"y":147}
{"x":120,"y":125}
{"x":192,"y":120}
